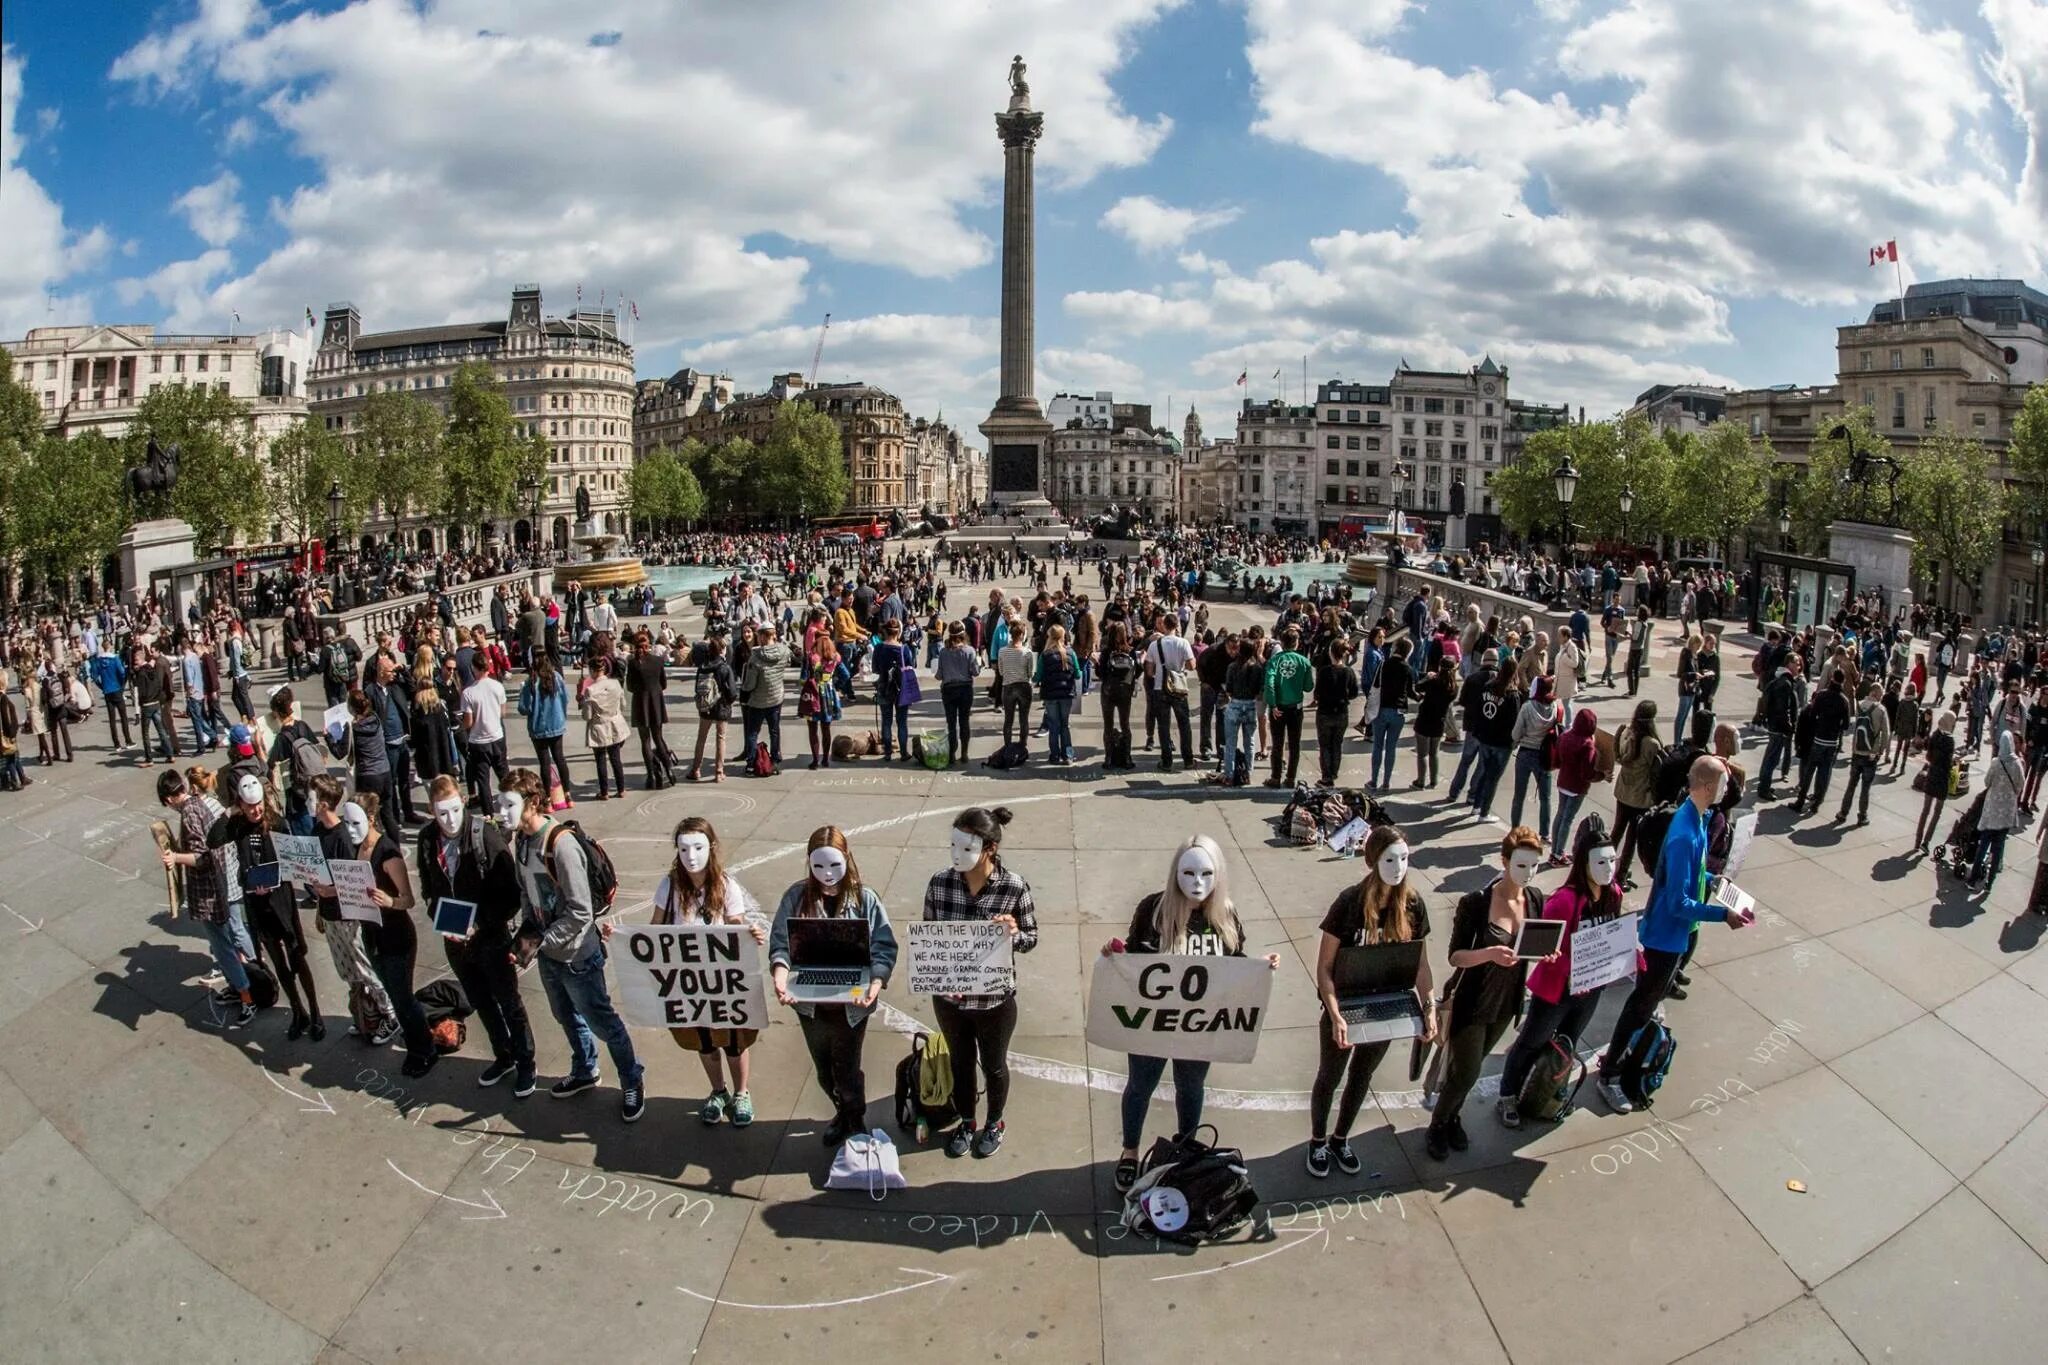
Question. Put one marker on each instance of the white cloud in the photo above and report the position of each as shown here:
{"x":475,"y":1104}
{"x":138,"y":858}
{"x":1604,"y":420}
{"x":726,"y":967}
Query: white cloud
{"x":213,"y":210}
{"x":172,"y":59}
{"x":933,"y":362}
{"x":182,"y":289}
{"x":41,"y":253}
{"x":1062,"y":370}
{"x":1134,"y":312}
{"x":240,"y":133}
{"x":1152,"y":226}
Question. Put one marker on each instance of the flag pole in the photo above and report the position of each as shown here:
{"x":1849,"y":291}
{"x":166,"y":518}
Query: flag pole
{"x":1899,"y":276}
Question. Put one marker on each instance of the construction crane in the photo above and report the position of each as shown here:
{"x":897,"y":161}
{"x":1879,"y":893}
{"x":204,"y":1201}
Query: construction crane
{"x":819,"y":351}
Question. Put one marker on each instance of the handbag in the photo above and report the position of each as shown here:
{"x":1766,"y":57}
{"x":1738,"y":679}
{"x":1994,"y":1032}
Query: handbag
{"x":867,"y":1161}
{"x":908,"y":692}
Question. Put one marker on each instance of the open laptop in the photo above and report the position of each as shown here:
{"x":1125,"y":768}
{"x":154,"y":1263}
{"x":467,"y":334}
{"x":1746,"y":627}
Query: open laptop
{"x":829,"y":963}
{"x":1376,"y":990}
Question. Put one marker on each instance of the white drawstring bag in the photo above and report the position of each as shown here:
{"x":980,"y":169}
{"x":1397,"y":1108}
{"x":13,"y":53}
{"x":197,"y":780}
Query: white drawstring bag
{"x":867,"y":1161}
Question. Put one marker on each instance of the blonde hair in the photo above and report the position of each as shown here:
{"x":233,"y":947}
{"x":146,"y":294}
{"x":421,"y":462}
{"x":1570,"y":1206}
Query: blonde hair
{"x":1174,"y":910}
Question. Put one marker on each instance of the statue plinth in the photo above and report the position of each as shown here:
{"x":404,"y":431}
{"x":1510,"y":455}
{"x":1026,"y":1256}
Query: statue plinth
{"x":150,"y":549}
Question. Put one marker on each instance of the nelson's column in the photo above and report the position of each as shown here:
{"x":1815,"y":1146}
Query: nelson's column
{"x":1016,"y":428}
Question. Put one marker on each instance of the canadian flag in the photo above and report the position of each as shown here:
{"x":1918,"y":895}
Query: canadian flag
{"x":1888,"y":252}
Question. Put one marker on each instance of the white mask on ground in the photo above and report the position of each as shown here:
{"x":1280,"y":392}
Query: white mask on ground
{"x":1196,"y":873}
{"x":1601,"y":863}
{"x":511,"y":807}
{"x":1393,"y":865}
{"x":448,"y":815}
{"x":828,"y":866}
{"x":1522,"y":865}
{"x":693,"y":851}
{"x":355,"y":822}
{"x":966,"y":850}
{"x":249,"y":789}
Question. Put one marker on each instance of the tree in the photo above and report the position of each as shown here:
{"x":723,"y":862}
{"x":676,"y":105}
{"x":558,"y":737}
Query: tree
{"x":398,"y":445}
{"x":1523,"y":490}
{"x":662,"y":490}
{"x":21,"y":430}
{"x":726,"y":472}
{"x":1609,"y":457}
{"x":482,"y":453}
{"x":66,"y":500}
{"x":1954,"y":504}
{"x":802,"y":469}
{"x":305,"y":463}
{"x":221,"y":490}
{"x":2027,"y":457}
{"x":1721,"y":484}
{"x":1821,"y":495}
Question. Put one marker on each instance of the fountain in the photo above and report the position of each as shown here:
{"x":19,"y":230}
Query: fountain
{"x":602,"y":566}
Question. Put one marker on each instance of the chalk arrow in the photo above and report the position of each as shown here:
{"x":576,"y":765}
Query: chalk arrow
{"x":931,"y":1277}
{"x":315,"y":1103}
{"x":491,"y":1208}
{"x":1310,"y":1236}
{"x":27,"y":927}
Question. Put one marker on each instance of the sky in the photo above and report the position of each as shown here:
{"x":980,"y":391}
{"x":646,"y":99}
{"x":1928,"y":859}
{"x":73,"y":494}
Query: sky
{"x":1601,"y":194}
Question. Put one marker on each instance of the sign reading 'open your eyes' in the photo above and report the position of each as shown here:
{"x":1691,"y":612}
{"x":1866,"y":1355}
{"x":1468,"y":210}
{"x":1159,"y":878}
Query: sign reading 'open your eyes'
{"x":689,"y":976}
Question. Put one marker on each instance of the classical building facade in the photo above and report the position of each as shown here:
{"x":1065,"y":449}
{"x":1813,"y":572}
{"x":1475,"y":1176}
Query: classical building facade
{"x":663,"y":408}
{"x":1680,"y":407}
{"x":1117,"y":464}
{"x":1354,"y":454}
{"x":93,"y":376}
{"x":1275,"y":491}
{"x":568,"y":379}
{"x":937,"y":465}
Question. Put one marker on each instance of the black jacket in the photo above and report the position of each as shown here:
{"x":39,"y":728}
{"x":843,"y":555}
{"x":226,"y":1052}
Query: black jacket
{"x":484,"y":873}
{"x":1831,"y":714}
{"x":1781,"y":702}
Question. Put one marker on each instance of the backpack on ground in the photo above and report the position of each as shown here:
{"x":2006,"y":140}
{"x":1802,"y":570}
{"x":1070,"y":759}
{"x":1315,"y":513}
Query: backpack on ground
{"x":843,"y":748}
{"x":924,"y":1088}
{"x":1189,"y":1191}
{"x":1645,"y":1062}
{"x":603,"y":877}
{"x":1552,"y":1089}
{"x":1011,"y":755}
{"x":262,"y":988}
{"x":760,"y":763}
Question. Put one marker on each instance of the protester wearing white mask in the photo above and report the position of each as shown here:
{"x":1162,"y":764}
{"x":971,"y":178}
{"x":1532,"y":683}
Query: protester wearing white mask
{"x":371,"y":1017}
{"x":1484,"y":994}
{"x":834,"y":1034}
{"x":698,"y":890}
{"x":977,"y":1028}
{"x":393,"y":942}
{"x":1590,"y":895}
{"x":272,"y":913}
{"x":1380,"y":908}
{"x":468,"y":858}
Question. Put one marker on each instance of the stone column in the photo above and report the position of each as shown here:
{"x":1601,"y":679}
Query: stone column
{"x":1019,"y":128}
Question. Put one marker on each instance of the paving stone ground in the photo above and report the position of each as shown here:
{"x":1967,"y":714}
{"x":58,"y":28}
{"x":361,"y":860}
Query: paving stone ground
{"x":170,"y":1192}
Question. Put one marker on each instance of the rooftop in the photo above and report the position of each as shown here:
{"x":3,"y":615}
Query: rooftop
{"x":1999,"y":302}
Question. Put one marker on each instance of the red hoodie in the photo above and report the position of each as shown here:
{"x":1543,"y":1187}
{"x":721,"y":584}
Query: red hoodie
{"x":1576,"y":751}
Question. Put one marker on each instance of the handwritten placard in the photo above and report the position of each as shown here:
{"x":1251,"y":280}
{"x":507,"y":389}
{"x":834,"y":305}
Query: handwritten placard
{"x":1206,"y":1009}
{"x":1603,"y":953}
{"x":299,"y":859}
{"x":689,"y":976}
{"x":960,"y":957}
{"x":354,"y":879}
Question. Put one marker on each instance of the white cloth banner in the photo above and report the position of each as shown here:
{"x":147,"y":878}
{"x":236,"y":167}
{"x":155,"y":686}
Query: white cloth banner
{"x":689,"y":976}
{"x":960,"y":957}
{"x":1602,"y":953}
{"x":1207,"y":1009}
{"x":354,"y":879}
{"x":299,"y":859}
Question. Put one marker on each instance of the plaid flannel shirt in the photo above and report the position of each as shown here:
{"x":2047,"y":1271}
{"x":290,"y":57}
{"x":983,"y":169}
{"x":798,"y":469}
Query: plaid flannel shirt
{"x":1006,"y":893}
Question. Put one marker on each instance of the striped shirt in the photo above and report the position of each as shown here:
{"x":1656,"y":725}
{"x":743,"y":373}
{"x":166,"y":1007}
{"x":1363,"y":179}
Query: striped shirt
{"x":1005,"y":893}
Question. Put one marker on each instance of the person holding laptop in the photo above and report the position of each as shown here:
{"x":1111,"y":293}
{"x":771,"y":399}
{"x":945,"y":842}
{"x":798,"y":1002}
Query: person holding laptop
{"x":698,"y":890}
{"x":1380,"y":912}
{"x":818,"y":921}
{"x":463,"y":857}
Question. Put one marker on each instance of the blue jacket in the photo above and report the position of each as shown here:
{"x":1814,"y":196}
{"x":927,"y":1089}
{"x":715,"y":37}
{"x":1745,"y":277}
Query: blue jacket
{"x":881,"y":939}
{"x":109,"y":674}
{"x":1675,"y":900}
{"x":546,"y":716}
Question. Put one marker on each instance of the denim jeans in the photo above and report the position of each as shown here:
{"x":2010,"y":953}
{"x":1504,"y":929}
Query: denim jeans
{"x":1493,"y":761}
{"x":1778,"y":747}
{"x":1240,"y":722}
{"x":1468,"y":763}
{"x":1567,"y":811}
{"x":1678,"y":717}
{"x":895,"y":728}
{"x":231,"y":946}
{"x":583,"y":1006}
{"x":203,"y":736}
{"x":1529,"y":763}
{"x":753,"y":718}
{"x":1188,"y":1079}
{"x":1386,"y":738}
{"x":1862,"y":772}
{"x":153,"y":719}
{"x":1059,"y":740}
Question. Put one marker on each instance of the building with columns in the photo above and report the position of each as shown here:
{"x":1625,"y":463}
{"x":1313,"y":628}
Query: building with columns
{"x":936,"y":468}
{"x":569,"y":379}
{"x":1275,"y":491}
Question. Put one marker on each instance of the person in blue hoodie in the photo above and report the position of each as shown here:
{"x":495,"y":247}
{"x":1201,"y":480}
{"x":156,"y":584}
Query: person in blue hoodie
{"x":110,"y":676}
{"x":1678,"y":901}
{"x":544,"y":701}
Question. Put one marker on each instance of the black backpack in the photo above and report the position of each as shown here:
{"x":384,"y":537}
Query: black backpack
{"x":603,"y":877}
{"x":919,"y":1110}
{"x":1552,"y":1089}
{"x":1650,"y":832}
{"x":1645,"y":1062}
{"x":1190,"y":1191}
{"x":1120,"y":670}
{"x":1011,"y":755}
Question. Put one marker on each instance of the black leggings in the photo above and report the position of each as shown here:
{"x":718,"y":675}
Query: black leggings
{"x":608,"y":757}
{"x":1116,"y":720}
{"x":547,"y":752}
{"x":1626,"y":818}
{"x":280,"y":936}
{"x":1361,"y":1059}
{"x":1651,"y":984}
{"x":835,"y":1043}
{"x":1466,"y":1048}
{"x":982,"y":1035}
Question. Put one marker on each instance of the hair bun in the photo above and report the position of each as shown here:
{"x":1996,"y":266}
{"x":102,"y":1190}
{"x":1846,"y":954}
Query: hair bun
{"x":1000,"y":814}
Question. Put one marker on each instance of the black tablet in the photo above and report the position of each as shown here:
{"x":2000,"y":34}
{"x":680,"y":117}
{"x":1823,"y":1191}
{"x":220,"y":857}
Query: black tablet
{"x":454,"y":918}
{"x":1539,"y":938}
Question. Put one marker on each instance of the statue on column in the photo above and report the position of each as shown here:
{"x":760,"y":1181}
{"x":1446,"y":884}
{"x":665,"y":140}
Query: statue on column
{"x":583,"y":507}
{"x":149,"y":484}
{"x":1017,"y":83}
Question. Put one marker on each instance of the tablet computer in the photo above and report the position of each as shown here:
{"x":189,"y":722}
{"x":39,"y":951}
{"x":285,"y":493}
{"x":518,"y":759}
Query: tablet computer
{"x":263,"y":877}
{"x":1539,"y":938}
{"x":454,"y":918}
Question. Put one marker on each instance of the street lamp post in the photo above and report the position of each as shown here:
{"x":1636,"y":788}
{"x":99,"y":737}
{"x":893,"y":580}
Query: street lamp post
{"x":1628,"y":503}
{"x":334,"y":501}
{"x":1565,"y":481}
{"x":2038,"y":556}
{"x":1785,"y":526}
{"x":529,"y":491}
{"x":1397,"y":480}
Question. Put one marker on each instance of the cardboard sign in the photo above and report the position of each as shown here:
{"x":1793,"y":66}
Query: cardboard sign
{"x":1602,"y":953}
{"x":960,"y":957}
{"x":174,"y":877}
{"x":1206,"y":1009}
{"x":353,"y":880}
{"x":299,"y":859}
{"x":689,"y":976}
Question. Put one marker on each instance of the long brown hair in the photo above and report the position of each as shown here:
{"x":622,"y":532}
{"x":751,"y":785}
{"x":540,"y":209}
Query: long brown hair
{"x":1383,"y":908}
{"x":813,"y":904}
{"x":714,"y":874}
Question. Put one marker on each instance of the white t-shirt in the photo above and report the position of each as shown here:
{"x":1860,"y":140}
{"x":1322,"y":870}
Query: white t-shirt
{"x":740,"y":905}
{"x":484,"y":702}
{"x":1169,"y":654}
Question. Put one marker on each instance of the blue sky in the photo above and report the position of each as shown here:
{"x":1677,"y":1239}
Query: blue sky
{"x":1603,"y":194}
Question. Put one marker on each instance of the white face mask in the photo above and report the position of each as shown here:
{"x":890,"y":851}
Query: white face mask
{"x":1720,"y":787}
{"x":448,"y":815}
{"x":511,"y":806}
{"x":1522,"y":865}
{"x":1600,"y":865}
{"x":1393,"y":865}
{"x":693,"y":851}
{"x":249,"y":789}
{"x":828,"y":866}
{"x":355,"y":822}
{"x":1196,"y":873}
{"x":966,"y":850}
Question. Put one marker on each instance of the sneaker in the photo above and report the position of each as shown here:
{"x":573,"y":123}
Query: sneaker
{"x":988,"y":1140}
{"x":635,"y":1103}
{"x":386,"y":1031}
{"x":1611,"y":1091}
{"x":1126,"y":1174}
{"x":524,"y":1082}
{"x":495,"y":1072}
{"x":960,"y":1139}
{"x":1347,"y":1160}
{"x":1456,"y":1135}
{"x":1509,"y":1112}
{"x":715,"y":1108}
{"x":244,"y":1015}
{"x":571,"y":1085}
{"x":742,"y":1109}
{"x":1319,"y":1159}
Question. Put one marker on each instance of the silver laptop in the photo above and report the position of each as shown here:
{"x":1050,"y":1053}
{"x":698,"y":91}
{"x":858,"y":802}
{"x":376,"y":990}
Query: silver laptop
{"x":829,"y":961}
{"x":1376,"y":990}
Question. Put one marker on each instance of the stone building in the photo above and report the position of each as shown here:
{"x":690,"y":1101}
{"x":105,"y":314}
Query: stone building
{"x":568,"y":379}
{"x":662,"y":408}
{"x":1275,"y":491}
{"x":936,"y":468}
{"x":1680,"y":407}
{"x":1121,"y":463}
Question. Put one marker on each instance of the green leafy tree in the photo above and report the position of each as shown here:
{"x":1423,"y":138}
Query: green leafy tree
{"x":221,"y":489}
{"x":66,"y":501}
{"x":2027,"y":457}
{"x":1721,"y":485}
{"x":1610,"y":457}
{"x":802,"y":467}
{"x":306,"y":462}
{"x":726,"y":472}
{"x":1523,"y":491}
{"x":1954,"y":504}
{"x":398,"y":445}
{"x":483,"y":455}
{"x":662,"y":490}
{"x":21,"y":431}
{"x":1821,"y":495}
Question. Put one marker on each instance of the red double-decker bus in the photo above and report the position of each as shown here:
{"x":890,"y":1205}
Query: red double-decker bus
{"x":865,"y":525}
